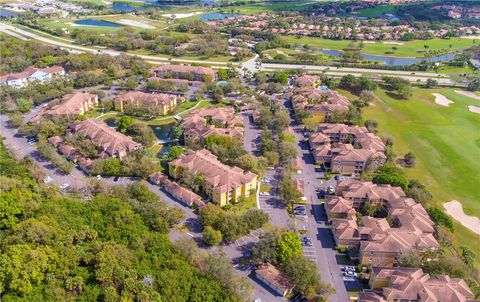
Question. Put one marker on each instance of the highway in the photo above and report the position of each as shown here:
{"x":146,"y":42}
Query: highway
{"x":250,"y":64}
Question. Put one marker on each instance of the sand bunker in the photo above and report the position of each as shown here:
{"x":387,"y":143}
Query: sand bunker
{"x":455,"y":209}
{"x":394,"y":43}
{"x":472,"y":108}
{"x":135,"y":23}
{"x":440,"y":99}
{"x":180,"y":16}
{"x":469,"y":94}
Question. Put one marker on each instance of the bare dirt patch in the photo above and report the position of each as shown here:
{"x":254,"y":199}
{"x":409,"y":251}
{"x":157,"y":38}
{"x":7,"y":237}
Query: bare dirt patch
{"x":440,"y":99}
{"x":469,"y":94}
{"x":455,"y":209}
{"x":474,"y":109}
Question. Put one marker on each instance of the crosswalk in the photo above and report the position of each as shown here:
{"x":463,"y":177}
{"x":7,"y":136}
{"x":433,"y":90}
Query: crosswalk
{"x":310,"y":253}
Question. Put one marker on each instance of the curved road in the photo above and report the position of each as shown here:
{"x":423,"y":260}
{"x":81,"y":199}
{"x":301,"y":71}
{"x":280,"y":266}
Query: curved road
{"x":250,"y":65}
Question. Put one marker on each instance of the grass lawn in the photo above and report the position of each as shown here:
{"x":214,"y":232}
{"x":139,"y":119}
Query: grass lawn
{"x":250,"y":202}
{"x":446,"y":143}
{"x":262,"y":7}
{"x":376,"y":11}
{"x":407,"y":49}
{"x":457,"y":70}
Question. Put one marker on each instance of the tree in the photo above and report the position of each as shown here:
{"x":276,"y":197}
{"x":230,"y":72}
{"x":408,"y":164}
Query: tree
{"x":111,"y":167}
{"x":390,"y":174}
{"x":141,"y":133}
{"x":417,"y":191}
{"x":409,"y":258}
{"x":175,"y":152}
{"x":210,"y":214}
{"x":211,"y":236}
{"x":141,"y":193}
{"x":409,"y":159}
{"x":468,"y":256}
{"x":280,"y":77}
{"x":16,"y":120}
{"x":287,"y":152}
{"x":431,"y":83}
{"x":303,"y":274}
{"x":441,"y":218}
{"x":288,"y":246}
{"x":124,"y":122}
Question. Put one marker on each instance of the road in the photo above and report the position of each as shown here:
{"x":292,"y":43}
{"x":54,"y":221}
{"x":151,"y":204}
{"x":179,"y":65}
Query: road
{"x":323,"y":249}
{"x":251,"y":64}
{"x":20,"y":148}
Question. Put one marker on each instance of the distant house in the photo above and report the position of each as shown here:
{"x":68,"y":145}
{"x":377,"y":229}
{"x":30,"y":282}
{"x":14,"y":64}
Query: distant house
{"x":412,"y":284}
{"x":72,"y":105}
{"x":184,"y":72}
{"x":274,"y":279}
{"x":31,"y":74}
{"x":160,"y":103}
{"x":111,"y":143}
{"x":321,"y":103}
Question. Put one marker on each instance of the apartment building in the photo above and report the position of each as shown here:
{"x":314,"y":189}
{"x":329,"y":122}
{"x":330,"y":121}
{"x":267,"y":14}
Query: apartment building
{"x":181,"y":193}
{"x":111,"y":143}
{"x":31,"y":74}
{"x":156,"y":104}
{"x":412,"y":284}
{"x":407,"y":224}
{"x":222,"y":183}
{"x":346,"y":149}
{"x":71,"y":106}
{"x":184,"y":72}
{"x":320,"y":102}
{"x":201,"y":123}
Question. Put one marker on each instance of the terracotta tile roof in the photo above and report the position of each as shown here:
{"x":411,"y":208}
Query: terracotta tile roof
{"x":147,"y":98}
{"x":414,"y":284}
{"x":184,"y":69}
{"x":72,"y":105}
{"x":177,"y":190}
{"x":327,"y":100}
{"x":221,"y":177}
{"x":108,"y":139}
{"x":271,"y":274}
{"x":307,"y":80}
{"x":415,"y":228}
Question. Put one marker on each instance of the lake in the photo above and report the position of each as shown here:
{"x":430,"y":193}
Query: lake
{"x":216,"y":16}
{"x":95,"y":22}
{"x":4,"y":13}
{"x":393,"y":61}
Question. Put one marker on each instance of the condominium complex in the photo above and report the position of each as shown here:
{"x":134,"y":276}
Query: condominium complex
{"x":202,"y":123}
{"x":346,"y":149}
{"x":412,"y":284}
{"x":407,"y":224}
{"x":71,"y":106}
{"x":320,"y":102}
{"x":111,"y":143}
{"x":185,"y":72}
{"x":156,"y":104}
{"x":222,"y":183}
{"x":31,"y":74}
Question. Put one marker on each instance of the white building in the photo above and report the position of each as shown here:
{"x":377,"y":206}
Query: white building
{"x":31,"y":74}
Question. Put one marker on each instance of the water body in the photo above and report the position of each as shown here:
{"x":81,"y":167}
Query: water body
{"x":4,"y":13}
{"x":393,"y":61}
{"x":216,"y":16}
{"x":163,"y":132}
{"x":124,"y":7}
{"x":94,"y":22}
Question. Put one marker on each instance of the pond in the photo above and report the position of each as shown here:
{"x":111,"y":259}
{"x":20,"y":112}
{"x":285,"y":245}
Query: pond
{"x":95,"y":22}
{"x":4,"y":13}
{"x":213,"y":16}
{"x":393,"y":61}
{"x":163,"y":132}
{"x":124,"y":7}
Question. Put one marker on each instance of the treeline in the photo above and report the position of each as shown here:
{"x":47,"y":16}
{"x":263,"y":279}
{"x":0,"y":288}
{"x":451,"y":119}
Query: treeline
{"x":113,"y":247}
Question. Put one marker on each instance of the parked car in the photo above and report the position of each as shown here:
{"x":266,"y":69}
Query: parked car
{"x":300,"y":207}
{"x":350,"y":268}
{"x":47,"y":179}
{"x":349,"y":274}
{"x":264,"y":193}
{"x":307,"y":241}
{"x":64,"y":186}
